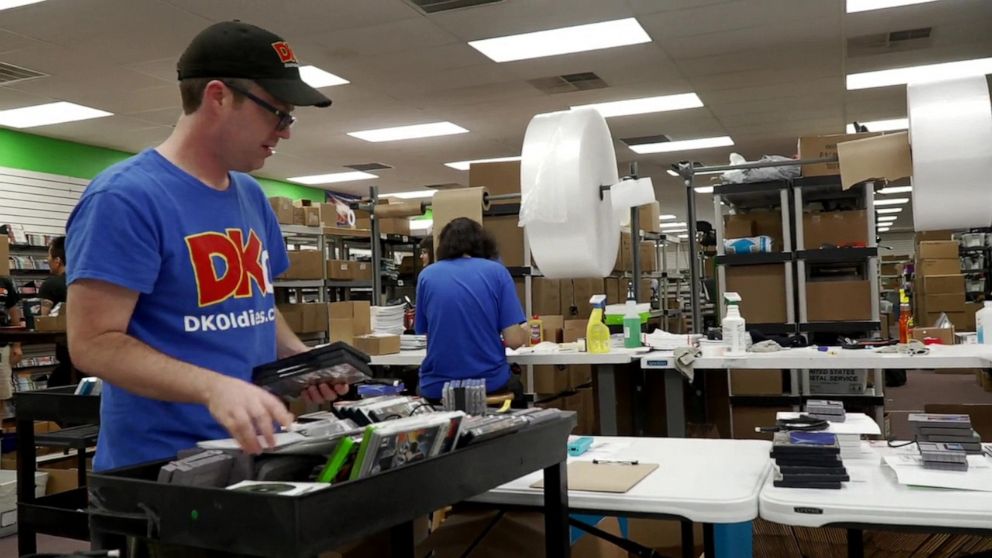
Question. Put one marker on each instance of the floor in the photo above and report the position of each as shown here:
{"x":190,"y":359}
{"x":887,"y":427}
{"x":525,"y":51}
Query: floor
{"x":773,"y":540}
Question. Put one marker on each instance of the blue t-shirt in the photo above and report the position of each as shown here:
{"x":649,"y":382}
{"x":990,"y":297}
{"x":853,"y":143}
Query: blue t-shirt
{"x":202,"y":261}
{"x":463,"y":305}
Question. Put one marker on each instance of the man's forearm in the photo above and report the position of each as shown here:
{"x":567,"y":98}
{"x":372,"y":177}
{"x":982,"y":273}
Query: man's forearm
{"x":131,"y":364}
{"x":287,"y":342}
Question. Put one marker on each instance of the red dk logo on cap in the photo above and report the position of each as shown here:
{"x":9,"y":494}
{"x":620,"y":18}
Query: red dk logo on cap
{"x":245,"y":263}
{"x":285,"y":53}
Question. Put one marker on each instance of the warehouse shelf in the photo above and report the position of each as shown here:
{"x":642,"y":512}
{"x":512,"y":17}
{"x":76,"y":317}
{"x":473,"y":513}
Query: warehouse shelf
{"x":754,"y":259}
{"x":832,"y":255}
{"x":839,"y":327}
{"x":300,"y":283}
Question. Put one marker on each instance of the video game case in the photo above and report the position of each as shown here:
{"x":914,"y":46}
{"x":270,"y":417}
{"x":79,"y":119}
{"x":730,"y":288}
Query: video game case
{"x":937,"y":431}
{"x":805,"y":443}
{"x":818,"y":485}
{"x":972,"y":438}
{"x":787,"y":470}
{"x":829,"y":418}
{"x":942,"y":452}
{"x":814,"y":478}
{"x":917,"y":420}
{"x":944,"y":466}
{"x":807,"y":461}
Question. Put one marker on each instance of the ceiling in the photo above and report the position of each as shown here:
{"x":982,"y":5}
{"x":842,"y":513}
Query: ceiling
{"x":767,"y":71}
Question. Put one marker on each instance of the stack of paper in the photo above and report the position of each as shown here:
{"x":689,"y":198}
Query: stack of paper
{"x":388,"y":319}
{"x":413,"y":342}
{"x":848,"y":433}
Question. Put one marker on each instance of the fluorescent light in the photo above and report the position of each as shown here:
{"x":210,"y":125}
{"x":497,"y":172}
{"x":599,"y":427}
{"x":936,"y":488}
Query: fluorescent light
{"x":646,"y":105}
{"x":892,"y":201}
{"x":332,"y":177}
{"x":8,"y":4}
{"x":930,"y":72}
{"x":889,"y":210}
{"x":703,"y":189}
{"x":667,"y":217}
{"x":883,"y":229}
{"x":464,"y":165}
{"x":421,"y":224}
{"x":673,"y":225}
{"x":683,"y":145}
{"x":895,"y":190}
{"x":317,"y":78}
{"x":49,"y":113}
{"x":580,"y":38}
{"x":409,"y":132}
{"x":882,"y":125}
{"x":887,"y":218}
{"x":683,"y":236}
{"x":854,"y":6}
{"x":672,"y":173}
{"x":411,"y":195}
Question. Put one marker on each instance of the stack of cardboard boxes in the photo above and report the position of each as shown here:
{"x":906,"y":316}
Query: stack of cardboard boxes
{"x":939,"y":285}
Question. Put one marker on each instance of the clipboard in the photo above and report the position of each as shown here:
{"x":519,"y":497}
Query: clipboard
{"x":615,"y":478}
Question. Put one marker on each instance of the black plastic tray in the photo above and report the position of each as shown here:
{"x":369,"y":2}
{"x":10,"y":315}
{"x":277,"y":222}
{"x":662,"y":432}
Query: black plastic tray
{"x":127,"y":501}
{"x":289,"y":376}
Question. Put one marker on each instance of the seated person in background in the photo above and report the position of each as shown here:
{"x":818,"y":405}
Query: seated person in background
{"x":52,"y":292}
{"x":426,"y":251}
{"x":464,"y":302}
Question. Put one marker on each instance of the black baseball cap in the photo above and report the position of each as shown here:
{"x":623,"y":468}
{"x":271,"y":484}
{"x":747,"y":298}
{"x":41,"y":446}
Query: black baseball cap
{"x":233,"y":49}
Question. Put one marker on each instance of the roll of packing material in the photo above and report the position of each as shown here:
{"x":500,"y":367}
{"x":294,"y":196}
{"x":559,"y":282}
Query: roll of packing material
{"x":448,"y":205}
{"x":566,"y":157}
{"x":950,"y":130}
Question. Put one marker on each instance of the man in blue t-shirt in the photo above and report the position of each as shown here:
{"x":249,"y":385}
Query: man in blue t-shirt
{"x":465,"y":301}
{"x":173,"y":256}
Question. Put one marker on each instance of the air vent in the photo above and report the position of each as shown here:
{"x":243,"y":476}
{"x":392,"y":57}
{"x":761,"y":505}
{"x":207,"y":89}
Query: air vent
{"x":568,"y":83}
{"x":435,"y":6}
{"x":366,"y":167}
{"x":10,"y":73}
{"x":895,"y":41}
{"x":642,"y":140}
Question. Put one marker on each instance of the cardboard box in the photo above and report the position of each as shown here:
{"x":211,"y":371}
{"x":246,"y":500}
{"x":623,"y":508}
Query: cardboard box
{"x":518,"y":282}
{"x":649,"y":217}
{"x":573,"y":330}
{"x":884,"y":157}
{"x":821,"y":147}
{"x":305,"y":264}
{"x":4,"y":255}
{"x":358,"y":312}
{"x":938,"y":267}
{"x":746,"y":419}
{"x":340,"y":270}
{"x":838,"y":300}
{"x":545,"y":296}
{"x":580,"y":292}
{"x":552,"y":326}
{"x":292,"y":315}
{"x":944,"y":302}
{"x":643,"y":293}
{"x":648,"y":254}
{"x":398,"y":225}
{"x":328,"y":214}
{"x":60,"y":480}
{"x":945,"y":334}
{"x":769,"y":223}
{"x":756,"y":382}
{"x":305,"y":318}
{"x":612,"y":289}
{"x":299,"y":216}
{"x":283,"y":208}
{"x":838,"y":382}
{"x":496,"y":178}
{"x":361,"y":271}
{"x":579,"y":375}
{"x":836,"y":228}
{"x":377,"y":344}
{"x":341,"y":329}
{"x":937,"y":250}
{"x":509,"y":238}
{"x":51,"y":323}
{"x":550,"y":379}
{"x":738,"y":226}
{"x":970,"y":308}
{"x":762,"y":290}
{"x":664,"y":536}
{"x":311,"y":216}
{"x":924,"y":236}
{"x":943,"y":284}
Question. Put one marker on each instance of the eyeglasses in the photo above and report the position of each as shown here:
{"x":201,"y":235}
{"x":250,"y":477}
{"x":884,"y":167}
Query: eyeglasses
{"x":285,"y":119}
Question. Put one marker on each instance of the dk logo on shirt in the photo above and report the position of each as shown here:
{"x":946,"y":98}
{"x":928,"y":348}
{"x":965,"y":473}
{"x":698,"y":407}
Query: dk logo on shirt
{"x":226,"y":265}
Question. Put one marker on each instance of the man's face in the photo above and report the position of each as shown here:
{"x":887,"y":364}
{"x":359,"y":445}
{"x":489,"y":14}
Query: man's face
{"x":252,"y":135}
{"x":54,"y":264}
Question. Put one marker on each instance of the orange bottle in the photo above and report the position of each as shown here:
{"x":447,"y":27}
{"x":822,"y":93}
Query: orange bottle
{"x":904,"y":318}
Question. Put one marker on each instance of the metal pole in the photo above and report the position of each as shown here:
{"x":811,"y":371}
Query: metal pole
{"x":694,"y":276}
{"x":635,"y":243}
{"x":374,"y":244}
{"x":761,"y":165}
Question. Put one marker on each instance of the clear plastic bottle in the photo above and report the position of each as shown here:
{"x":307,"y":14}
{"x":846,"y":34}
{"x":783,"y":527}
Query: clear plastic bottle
{"x":631,"y":323}
{"x":733,"y":326}
{"x":597,"y":334}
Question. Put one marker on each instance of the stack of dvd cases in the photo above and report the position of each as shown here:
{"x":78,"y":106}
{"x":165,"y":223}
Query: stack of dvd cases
{"x":943,"y":456}
{"x":808,"y":460}
{"x":950,"y":429}
{"x":823,"y":409}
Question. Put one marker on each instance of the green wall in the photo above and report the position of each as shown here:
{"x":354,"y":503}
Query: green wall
{"x":40,"y":154}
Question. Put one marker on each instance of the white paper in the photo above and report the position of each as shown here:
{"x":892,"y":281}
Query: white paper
{"x":854,"y":423}
{"x":909,"y":470}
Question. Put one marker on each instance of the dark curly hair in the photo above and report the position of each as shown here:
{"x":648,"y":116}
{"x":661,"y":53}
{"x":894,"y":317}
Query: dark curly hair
{"x":465,"y":237}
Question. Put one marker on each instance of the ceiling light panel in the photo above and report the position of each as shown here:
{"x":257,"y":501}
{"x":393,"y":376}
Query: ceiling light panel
{"x":895,"y":190}
{"x":667,"y":217}
{"x":646,"y":105}
{"x":417,"y":194}
{"x":464,"y":165}
{"x":8,"y":4}
{"x":580,"y":38}
{"x":332,"y":177}
{"x":854,"y":6}
{"x":882,"y":125}
{"x":682,"y":145}
{"x":703,"y":189}
{"x":930,"y":72}
{"x":409,"y":132}
{"x":49,"y":113}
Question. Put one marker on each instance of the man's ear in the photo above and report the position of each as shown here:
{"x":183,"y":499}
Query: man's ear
{"x":215,"y":93}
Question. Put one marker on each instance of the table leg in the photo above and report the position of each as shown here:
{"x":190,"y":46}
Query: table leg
{"x":81,"y":467}
{"x":607,"y":394}
{"x":855,"y":543}
{"x":733,"y":540}
{"x":688,"y":539}
{"x":674,"y":403}
{"x":26,"y":466}
{"x":401,"y":540}
{"x":556,"y":527}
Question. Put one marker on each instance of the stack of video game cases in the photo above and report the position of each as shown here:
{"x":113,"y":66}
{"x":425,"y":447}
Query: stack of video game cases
{"x":950,"y":429}
{"x":830,"y":411}
{"x":807,"y":460}
{"x":943,"y":456}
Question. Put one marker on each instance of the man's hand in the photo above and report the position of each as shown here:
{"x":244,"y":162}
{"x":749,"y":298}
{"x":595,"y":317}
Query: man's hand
{"x":247,"y":411}
{"x":324,"y":393}
{"x":16,"y":354}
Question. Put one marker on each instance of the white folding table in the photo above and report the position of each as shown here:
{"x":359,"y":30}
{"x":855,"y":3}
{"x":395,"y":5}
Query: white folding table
{"x":709,"y":481}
